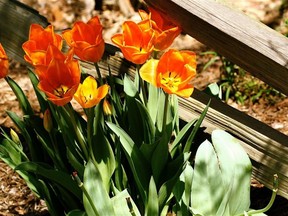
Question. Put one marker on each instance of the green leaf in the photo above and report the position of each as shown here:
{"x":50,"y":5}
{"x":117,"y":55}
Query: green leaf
{"x":104,"y":158}
{"x":188,"y":178}
{"x":7,"y":148}
{"x":21,"y":97}
{"x":213,"y":89}
{"x":160,"y":155}
{"x":221,"y":177}
{"x":140,"y":125}
{"x":33,"y":149}
{"x":76,"y":213}
{"x":152,"y":103}
{"x":195,"y":129}
{"x":30,"y":180}
{"x":177,"y":166}
{"x":61,"y":178}
{"x":75,"y":163}
{"x":98,"y":198}
{"x":236,"y":170}
{"x":135,"y":158}
{"x":180,"y":137}
{"x":39,"y":94}
{"x":120,"y":204}
{"x":129,"y":87}
{"x":207,"y":185}
{"x":152,"y":207}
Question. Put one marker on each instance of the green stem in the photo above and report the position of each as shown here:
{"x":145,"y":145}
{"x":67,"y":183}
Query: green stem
{"x":272,"y":199}
{"x":81,"y":185}
{"x":90,"y":120}
{"x":79,"y":135}
{"x":98,"y":73}
{"x":166,"y":103}
{"x":142,"y":86}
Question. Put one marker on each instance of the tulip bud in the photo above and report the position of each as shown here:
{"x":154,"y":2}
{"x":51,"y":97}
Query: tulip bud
{"x":14,"y":136}
{"x":47,"y":121}
{"x":107,"y":108}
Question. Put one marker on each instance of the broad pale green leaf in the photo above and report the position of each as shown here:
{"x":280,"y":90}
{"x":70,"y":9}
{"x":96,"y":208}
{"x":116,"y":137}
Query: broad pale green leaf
{"x":152,"y":104}
{"x":120,"y":204}
{"x":207,"y":186}
{"x":236,"y":170}
{"x":98,"y":202}
{"x":188,"y":178}
{"x":152,"y":206}
{"x":221,"y":177}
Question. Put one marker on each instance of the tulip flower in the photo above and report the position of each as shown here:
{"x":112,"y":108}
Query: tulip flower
{"x":165,"y":30}
{"x":39,"y":40}
{"x":4,"y":63}
{"x":86,"y":39}
{"x":59,"y":79}
{"x":88,"y":95}
{"x":173,"y":72}
{"x":136,"y":41}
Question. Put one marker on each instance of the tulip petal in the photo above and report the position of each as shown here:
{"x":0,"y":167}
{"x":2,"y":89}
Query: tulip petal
{"x":148,"y":71}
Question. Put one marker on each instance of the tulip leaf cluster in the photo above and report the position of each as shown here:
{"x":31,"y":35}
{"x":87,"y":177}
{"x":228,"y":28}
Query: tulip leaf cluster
{"x":125,"y":151}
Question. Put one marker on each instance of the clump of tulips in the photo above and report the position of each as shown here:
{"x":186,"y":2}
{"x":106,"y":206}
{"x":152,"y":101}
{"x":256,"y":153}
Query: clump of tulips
{"x":125,"y":153}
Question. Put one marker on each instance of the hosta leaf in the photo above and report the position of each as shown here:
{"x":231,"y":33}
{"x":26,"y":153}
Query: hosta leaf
{"x":221,"y":177}
{"x":236,"y":170}
{"x":207,"y":186}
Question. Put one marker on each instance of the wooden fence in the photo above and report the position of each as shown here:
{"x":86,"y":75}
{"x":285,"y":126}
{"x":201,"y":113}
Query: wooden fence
{"x":248,"y":43}
{"x":257,"y":49}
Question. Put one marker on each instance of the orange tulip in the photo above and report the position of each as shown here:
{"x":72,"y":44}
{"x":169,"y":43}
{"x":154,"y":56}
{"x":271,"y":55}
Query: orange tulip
{"x":86,"y":39}
{"x":4,"y":63}
{"x":136,"y":41}
{"x":39,"y":39}
{"x":88,"y":95}
{"x":165,"y":30}
{"x":60,"y":78}
{"x":172,"y":72}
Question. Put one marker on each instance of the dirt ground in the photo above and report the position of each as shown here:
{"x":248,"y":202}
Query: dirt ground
{"x":15,"y":196}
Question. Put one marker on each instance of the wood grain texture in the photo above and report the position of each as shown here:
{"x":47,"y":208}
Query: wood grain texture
{"x":246,"y":42}
{"x":16,"y":19}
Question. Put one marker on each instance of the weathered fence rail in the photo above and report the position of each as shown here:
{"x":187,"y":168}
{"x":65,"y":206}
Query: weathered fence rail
{"x":251,"y":45}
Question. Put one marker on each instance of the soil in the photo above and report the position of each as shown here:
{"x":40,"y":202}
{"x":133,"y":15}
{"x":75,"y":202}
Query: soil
{"x":15,"y":196}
